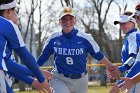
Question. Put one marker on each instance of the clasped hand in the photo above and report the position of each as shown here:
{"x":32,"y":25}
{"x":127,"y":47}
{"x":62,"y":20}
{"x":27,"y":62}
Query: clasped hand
{"x":114,"y":72}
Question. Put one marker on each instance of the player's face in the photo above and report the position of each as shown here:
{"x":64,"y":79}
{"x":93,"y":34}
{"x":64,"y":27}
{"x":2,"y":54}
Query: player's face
{"x":67,"y":22}
{"x":127,"y":26}
{"x":11,"y":15}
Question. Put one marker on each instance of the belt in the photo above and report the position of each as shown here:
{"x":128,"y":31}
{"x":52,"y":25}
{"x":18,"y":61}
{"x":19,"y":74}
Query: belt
{"x":74,"y":76}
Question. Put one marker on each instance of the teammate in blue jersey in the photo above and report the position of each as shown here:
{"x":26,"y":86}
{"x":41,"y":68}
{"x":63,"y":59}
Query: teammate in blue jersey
{"x":70,"y":48}
{"x":130,"y":48}
{"x":11,"y":39}
{"x":133,"y":82}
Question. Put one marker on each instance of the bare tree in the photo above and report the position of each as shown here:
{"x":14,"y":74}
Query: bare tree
{"x":96,"y":15}
{"x":47,"y":14}
{"x":67,"y":3}
{"x":27,"y":30}
{"x":122,"y":9}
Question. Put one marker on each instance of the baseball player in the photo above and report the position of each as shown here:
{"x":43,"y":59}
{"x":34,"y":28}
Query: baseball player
{"x":130,"y":47}
{"x":11,"y":39}
{"x":70,"y":48}
{"x":132,"y":83}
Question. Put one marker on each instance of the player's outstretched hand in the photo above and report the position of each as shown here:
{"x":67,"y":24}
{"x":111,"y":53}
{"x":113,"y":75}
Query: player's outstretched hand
{"x":115,"y":89}
{"x":48,"y":75}
{"x":46,"y":87}
{"x":114,"y":72}
{"x":42,"y":87}
{"x":37,"y":85}
{"x":127,"y":84}
{"x":43,"y":91}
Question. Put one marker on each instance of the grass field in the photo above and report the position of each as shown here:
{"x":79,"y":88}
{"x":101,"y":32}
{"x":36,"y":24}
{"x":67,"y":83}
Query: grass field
{"x":92,"y":89}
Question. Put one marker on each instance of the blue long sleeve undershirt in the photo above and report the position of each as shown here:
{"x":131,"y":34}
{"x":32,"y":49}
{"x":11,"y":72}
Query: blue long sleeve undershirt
{"x":18,"y":68}
{"x":133,"y":71}
{"x":21,"y":77}
{"x":44,"y":56}
{"x":30,"y":62}
{"x":124,"y":68}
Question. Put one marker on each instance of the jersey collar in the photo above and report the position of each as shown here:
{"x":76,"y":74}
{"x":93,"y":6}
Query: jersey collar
{"x":131,"y":31}
{"x":71,"y":34}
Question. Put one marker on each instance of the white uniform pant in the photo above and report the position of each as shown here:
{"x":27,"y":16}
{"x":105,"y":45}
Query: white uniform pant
{"x":2,"y":82}
{"x":134,"y":89}
{"x":61,"y":84}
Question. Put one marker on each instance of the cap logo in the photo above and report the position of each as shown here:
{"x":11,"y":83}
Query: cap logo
{"x":68,"y":10}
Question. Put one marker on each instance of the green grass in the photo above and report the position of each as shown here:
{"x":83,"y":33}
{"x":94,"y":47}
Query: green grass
{"x":92,"y":89}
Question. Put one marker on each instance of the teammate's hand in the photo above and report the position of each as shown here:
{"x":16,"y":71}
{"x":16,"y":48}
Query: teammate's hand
{"x":41,"y":87}
{"x":43,"y":91}
{"x":115,"y":89}
{"x":114,"y":72}
{"x":46,"y":87}
{"x":37,"y":85}
{"x":127,"y":84}
{"x":48,"y":75}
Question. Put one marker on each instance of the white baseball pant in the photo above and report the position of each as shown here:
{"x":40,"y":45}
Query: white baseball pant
{"x":61,"y":84}
{"x":2,"y":82}
{"x":134,"y":89}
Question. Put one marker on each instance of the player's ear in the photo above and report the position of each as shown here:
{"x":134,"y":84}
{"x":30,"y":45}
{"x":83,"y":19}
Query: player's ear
{"x":59,"y":21}
{"x":75,"y":21}
{"x":7,"y":14}
{"x":10,"y":12}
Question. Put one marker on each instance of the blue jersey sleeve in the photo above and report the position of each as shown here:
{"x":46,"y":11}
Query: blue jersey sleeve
{"x":133,"y":45}
{"x":30,"y":62}
{"x":21,"y":77}
{"x":93,"y":48}
{"x":46,"y":53}
{"x":13,"y":36}
{"x":128,"y":64}
{"x":17,"y":68}
{"x":44,"y":56}
{"x":99,"y":56}
{"x":133,"y":71}
{"x":123,"y":68}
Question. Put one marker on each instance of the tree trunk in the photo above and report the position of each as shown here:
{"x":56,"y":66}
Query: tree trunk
{"x":21,"y":86}
{"x":103,"y":76}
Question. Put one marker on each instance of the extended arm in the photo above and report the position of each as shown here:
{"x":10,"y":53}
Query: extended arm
{"x":26,"y":79}
{"x":17,"y":68}
{"x":21,"y":77}
{"x":30,"y":62}
{"x":129,"y":82}
{"x":127,"y":65}
{"x":46,"y":53}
